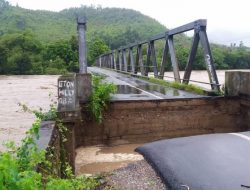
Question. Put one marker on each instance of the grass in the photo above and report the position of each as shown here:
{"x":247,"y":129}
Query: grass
{"x":177,"y":85}
{"x":180,"y":86}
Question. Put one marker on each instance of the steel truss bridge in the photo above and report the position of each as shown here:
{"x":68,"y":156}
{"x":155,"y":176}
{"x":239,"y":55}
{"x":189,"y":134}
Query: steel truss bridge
{"x":124,"y":60}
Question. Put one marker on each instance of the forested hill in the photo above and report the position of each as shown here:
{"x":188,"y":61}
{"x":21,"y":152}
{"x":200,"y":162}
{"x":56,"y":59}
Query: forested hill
{"x":121,"y":25}
{"x":44,"y":42}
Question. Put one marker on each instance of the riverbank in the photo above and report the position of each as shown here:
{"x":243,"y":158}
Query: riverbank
{"x":137,"y":175}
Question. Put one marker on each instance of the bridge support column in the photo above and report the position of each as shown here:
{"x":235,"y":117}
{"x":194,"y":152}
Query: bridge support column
{"x":72,"y":90}
{"x":81,"y":27}
{"x":237,"y":83}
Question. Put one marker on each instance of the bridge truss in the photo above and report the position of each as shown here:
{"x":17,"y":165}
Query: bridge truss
{"x":120,"y":61}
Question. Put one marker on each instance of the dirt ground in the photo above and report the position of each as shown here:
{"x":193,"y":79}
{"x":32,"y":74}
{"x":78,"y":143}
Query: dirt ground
{"x":138,"y":175}
{"x":120,"y":167}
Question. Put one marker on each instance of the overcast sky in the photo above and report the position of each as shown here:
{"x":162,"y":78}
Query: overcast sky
{"x":228,"y":20}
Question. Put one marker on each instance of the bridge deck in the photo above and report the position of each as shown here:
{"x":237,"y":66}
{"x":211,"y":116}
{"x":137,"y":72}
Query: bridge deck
{"x":131,"y":88}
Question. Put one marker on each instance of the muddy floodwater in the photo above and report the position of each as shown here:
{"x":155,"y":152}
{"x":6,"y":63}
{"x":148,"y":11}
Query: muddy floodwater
{"x":32,"y":91}
{"x":96,"y":159}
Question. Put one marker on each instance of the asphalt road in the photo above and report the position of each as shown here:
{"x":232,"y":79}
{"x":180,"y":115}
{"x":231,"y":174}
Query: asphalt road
{"x":204,"y":162}
{"x":131,"y":88}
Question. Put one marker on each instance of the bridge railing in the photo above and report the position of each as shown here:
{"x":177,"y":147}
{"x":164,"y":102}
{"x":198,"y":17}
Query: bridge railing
{"x":119,"y":60}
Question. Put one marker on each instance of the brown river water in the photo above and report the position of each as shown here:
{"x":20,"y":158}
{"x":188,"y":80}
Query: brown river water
{"x":34,"y":91}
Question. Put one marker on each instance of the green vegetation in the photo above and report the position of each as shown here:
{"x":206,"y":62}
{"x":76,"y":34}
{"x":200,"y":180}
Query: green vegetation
{"x":17,"y":164}
{"x":180,"y":86}
{"x":100,"y":97}
{"x":113,"y":25}
{"x":22,"y":54}
{"x":44,"y":42}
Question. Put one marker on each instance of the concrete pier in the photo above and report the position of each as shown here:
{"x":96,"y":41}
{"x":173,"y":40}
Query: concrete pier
{"x":237,"y":83}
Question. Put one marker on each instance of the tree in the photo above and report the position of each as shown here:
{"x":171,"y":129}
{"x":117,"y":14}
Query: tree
{"x":66,"y":51}
{"x":18,"y":53}
{"x":4,"y":4}
{"x":95,"y":49}
{"x":3,"y":58}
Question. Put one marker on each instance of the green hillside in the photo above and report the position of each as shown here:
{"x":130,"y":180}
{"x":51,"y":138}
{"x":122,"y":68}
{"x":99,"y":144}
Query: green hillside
{"x":120,"y":25}
{"x":45,"y":42}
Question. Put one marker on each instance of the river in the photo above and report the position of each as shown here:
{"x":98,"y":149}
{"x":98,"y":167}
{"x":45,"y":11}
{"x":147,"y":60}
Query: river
{"x":32,"y":91}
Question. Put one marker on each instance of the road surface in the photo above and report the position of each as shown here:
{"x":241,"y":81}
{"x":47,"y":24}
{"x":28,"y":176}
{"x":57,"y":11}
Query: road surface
{"x":131,"y":88}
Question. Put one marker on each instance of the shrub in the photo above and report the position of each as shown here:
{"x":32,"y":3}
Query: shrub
{"x":100,"y":96}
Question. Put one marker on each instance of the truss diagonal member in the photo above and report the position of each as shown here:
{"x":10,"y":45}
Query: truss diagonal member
{"x":209,"y":60}
{"x":153,"y":56}
{"x":131,"y":60}
{"x":148,"y":59}
{"x":173,"y":59}
{"x":191,"y":58}
{"x":164,"y":58}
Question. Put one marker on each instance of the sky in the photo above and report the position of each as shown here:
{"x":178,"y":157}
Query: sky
{"x":228,"y":21}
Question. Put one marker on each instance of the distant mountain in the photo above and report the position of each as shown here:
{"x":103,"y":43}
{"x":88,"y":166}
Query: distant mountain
{"x":114,"y":25}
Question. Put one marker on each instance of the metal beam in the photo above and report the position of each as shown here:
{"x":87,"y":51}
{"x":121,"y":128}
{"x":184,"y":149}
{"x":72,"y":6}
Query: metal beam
{"x":128,"y":61}
{"x":137,"y":65}
{"x":152,"y":47}
{"x":117,"y":60}
{"x":140,"y":60}
{"x":199,"y":26}
{"x":148,"y":59}
{"x":120,"y":60}
{"x":191,"y":58}
{"x":187,"y":27}
{"x":209,"y":60}
{"x":114,"y":59}
{"x":173,"y":59}
{"x":131,"y":58}
{"x":164,"y":60}
{"x":99,"y":62}
{"x":124,"y":60}
{"x":158,"y":37}
{"x":178,"y":30}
